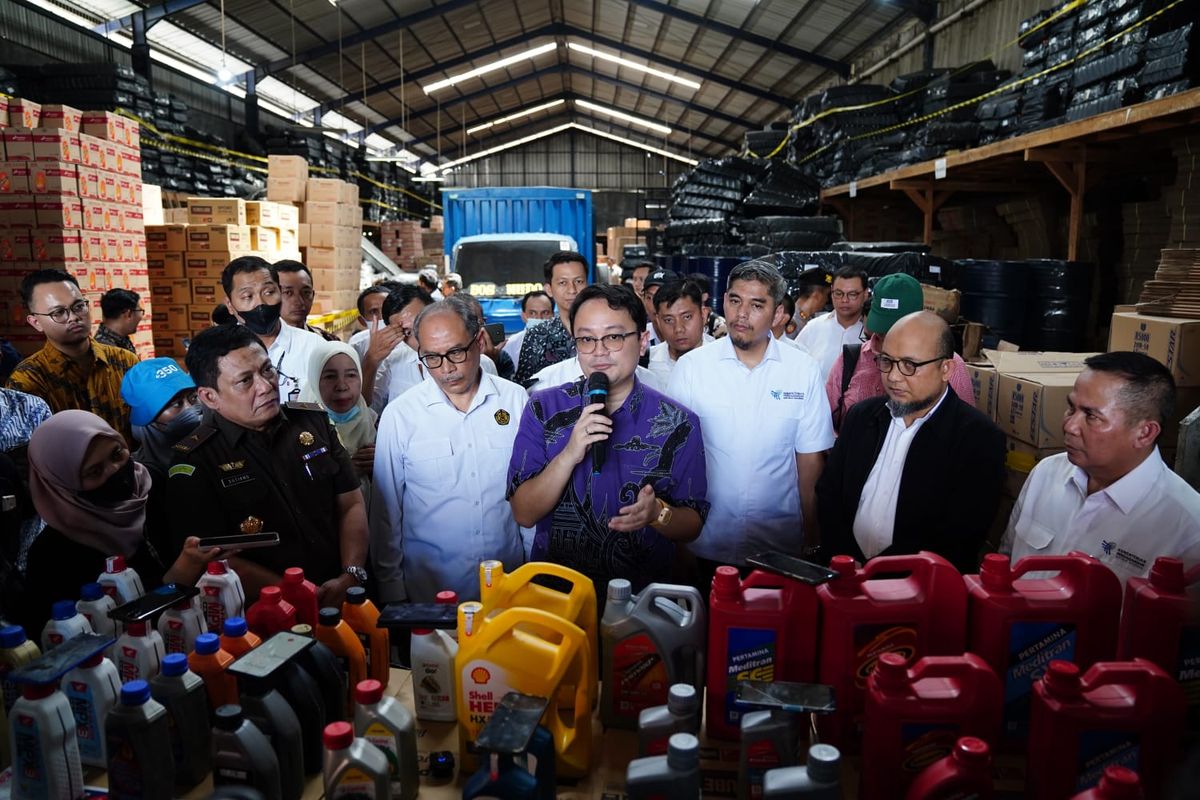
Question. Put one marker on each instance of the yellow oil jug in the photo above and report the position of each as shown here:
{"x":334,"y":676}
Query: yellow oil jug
{"x":531,"y":651}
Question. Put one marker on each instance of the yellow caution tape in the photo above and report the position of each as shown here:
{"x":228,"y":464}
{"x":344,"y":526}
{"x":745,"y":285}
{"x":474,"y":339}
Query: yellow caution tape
{"x":335,"y":319}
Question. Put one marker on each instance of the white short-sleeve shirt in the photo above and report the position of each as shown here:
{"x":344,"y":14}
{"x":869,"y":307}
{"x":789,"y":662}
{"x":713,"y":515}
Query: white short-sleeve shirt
{"x":570,"y":370}
{"x":661,"y":363}
{"x":823,"y":338}
{"x":755,"y":421}
{"x":289,"y":353}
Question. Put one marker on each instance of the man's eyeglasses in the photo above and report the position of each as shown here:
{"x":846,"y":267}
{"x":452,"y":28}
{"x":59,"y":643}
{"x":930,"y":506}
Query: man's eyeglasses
{"x":838,"y":294}
{"x":63,"y":315}
{"x":456,"y":356}
{"x":907,"y":366}
{"x":613,"y":342}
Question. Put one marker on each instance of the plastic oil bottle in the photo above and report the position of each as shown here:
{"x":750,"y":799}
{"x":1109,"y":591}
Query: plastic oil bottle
{"x":139,"y":652}
{"x":354,"y":768}
{"x":388,"y":724}
{"x":92,"y":688}
{"x":181,"y":692}
{"x":179,"y":626}
{"x":675,"y":776}
{"x":221,"y":594}
{"x":1018,"y":625}
{"x":64,"y":623}
{"x":94,"y":604}
{"x":870,"y":611}
{"x":656,"y":725}
{"x":270,"y":614}
{"x":236,"y":638}
{"x":279,"y":722}
{"x":751,"y":635}
{"x":243,"y":756}
{"x":44,"y":750}
{"x":120,"y":582}
{"x":770,"y":740}
{"x":819,"y":779}
{"x":302,"y":594}
{"x":914,"y":715}
{"x":533,"y":652}
{"x":434,"y":685}
{"x":211,"y":663}
{"x":1117,"y":783}
{"x":965,"y":772}
{"x":323,"y":667}
{"x":363,"y":618}
{"x":138,"y":738}
{"x":334,"y":633}
{"x":648,"y":642}
{"x":16,"y":650}
{"x":1118,"y":712}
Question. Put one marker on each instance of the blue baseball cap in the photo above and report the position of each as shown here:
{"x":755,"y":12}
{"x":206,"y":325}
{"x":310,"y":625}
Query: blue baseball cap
{"x":149,"y":385}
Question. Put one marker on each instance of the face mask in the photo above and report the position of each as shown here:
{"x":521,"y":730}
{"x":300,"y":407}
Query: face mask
{"x":182,"y":424}
{"x":533,"y":323}
{"x":262,"y":318}
{"x":345,"y":416}
{"x":117,"y":488}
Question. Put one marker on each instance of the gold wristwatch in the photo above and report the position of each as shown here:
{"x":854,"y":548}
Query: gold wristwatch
{"x":664,"y":514}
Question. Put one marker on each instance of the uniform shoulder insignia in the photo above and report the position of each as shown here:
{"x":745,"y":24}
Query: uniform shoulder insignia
{"x":194,"y":439}
{"x":297,"y":405}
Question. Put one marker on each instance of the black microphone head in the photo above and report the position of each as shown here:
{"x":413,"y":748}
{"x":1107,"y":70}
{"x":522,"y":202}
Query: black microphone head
{"x":597,"y":384}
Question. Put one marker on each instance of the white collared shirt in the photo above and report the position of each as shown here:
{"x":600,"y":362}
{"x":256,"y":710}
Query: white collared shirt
{"x":289,"y":354}
{"x":823,"y":338}
{"x":661,"y":363}
{"x":875,"y":520}
{"x":513,"y":348}
{"x":440,"y":476}
{"x":1150,"y":512}
{"x":570,"y":370}
{"x":754,"y":421}
{"x":401,"y":371}
{"x":360,"y":341}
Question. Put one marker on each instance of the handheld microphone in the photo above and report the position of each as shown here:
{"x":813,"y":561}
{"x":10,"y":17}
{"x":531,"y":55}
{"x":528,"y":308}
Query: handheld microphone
{"x":597,"y":391}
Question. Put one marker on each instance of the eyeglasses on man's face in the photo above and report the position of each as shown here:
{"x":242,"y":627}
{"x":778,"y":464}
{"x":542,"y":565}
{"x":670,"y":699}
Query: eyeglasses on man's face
{"x":907,"y":366}
{"x":456,"y":355}
{"x":839,"y":294}
{"x":613,"y":342}
{"x":61,"y":315}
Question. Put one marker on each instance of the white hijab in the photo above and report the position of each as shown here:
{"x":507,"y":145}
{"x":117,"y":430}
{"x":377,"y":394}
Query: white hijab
{"x":354,"y":433}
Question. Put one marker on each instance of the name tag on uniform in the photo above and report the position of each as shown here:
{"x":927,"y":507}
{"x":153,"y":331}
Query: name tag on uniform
{"x":236,"y":480}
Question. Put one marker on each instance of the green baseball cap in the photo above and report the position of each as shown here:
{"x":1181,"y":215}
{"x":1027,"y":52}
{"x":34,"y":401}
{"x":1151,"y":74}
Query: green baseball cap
{"x":893,"y":296}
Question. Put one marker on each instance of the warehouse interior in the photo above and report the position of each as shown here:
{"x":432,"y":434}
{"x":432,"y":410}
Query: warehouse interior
{"x":1033,"y":164}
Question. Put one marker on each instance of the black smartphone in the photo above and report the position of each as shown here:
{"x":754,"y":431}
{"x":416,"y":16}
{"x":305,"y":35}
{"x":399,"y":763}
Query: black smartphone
{"x":512,"y":725}
{"x":792,"y":567}
{"x":495,"y":332}
{"x":418,"y":615}
{"x":153,"y":602}
{"x":242,"y":541}
{"x":801,"y":697}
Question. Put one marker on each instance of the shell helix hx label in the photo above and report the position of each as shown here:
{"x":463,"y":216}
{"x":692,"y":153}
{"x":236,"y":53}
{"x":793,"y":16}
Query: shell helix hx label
{"x":1031,"y":647}
{"x":483,"y":686}
{"x":639,"y":675}
{"x":750,"y":655}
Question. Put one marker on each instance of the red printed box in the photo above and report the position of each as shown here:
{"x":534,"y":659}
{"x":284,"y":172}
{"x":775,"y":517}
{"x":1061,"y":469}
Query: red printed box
{"x":123,"y":189}
{"x":54,"y":177}
{"x":89,"y":182}
{"x":53,"y":144}
{"x":91,"y":151}
{"x":106,"y":182}
{"x":53,"y":245}
{"x":17,"y":210}
{"x":14,"y":177}
{"x":92,"y":246}
{"x":14,"y":244}
{"x":127,"y":160}
{"x":59,"y":212}
{"x":18,"y":144}
{"x":110,"y":155}
{"x":24,"y":113}
{"x":132,"y":220}
{"x":59,"y":116}
{"x":105,"y":125}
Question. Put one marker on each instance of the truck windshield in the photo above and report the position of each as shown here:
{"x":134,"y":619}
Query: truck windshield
{"x":510,"y":268}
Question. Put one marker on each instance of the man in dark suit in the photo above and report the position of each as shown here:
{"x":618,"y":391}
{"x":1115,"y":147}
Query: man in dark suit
{"x":917,"y":469}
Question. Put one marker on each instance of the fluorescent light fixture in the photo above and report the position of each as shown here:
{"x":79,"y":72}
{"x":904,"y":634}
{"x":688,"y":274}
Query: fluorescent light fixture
{"x":430,"y":88}
{"x":517,"y":115}
{"x":428,"y":179}
{"x":624,"y":62}
{"x":449,"y":165}
{"x":612,"y":112}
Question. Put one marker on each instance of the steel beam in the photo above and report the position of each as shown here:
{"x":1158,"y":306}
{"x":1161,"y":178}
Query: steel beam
{"x":150,"y":14}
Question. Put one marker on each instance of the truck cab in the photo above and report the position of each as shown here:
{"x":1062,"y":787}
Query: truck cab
{"x":499,"y":268}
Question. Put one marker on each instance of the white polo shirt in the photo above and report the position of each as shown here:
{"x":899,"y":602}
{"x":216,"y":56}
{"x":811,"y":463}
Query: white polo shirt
{"x":823,"y":338}
{"x":570,"y":370}
{"x":440,"y":475}
{"x":290,"y":354}
{"x":754,"y":421}
{"x":1150,"y":512}
{"x":661,"y":363}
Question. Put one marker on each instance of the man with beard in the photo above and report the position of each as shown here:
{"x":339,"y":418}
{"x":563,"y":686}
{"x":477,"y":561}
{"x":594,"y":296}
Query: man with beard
{"x":916,"y":469}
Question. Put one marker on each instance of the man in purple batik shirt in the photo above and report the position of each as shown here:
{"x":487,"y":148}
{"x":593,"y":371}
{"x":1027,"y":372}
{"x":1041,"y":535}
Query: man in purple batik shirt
{"x":650,"y":493}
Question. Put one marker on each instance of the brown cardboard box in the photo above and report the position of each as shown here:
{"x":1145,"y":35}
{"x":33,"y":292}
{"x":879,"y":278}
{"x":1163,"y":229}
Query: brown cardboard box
{"x":324,"y":258}
{"x":289,"y":167}
{"x":221,"y":238}
{"x":24,"y":113}
{"x":206,"y":266}
{"x":59,"y":212}
{"x":288,"y":239}
{"x":207,"y":292}
{"x":18,"y":144}
{"x":1172,"y":341}
{"x":263,"y":212}
{"x":347,"y":237}
{"x":14,"y":177}
{"x":1030,"y":406}
{"x":348,"y":194}
{"x":318,"y":235}
{"x":171,"y":291}
{"x":351,"y":216}
{"x":985,"y":382}
{"x":165,"y":265}
{"x":89,"y":182}
{"x":92,"y":246}
{"x":943,"y":302}
{"x":14,"y":244}
{"x":91,"y":152}
{"x":60,"y":116}
{"x":54,"y":244}
{"x":172,"y":344}
{"x":17,"y":210}
{"x":131,"y":220}
{"x":55,"y":144}
{"x":54,"y":177}
{"x":106,"y":125}
{"x":285,"y":190}
{"x":289,"y":216}
{"x":263,"y":239}
{"x":161,"y":238}
{"x":216,"y":211}
{"x":319,"y":213}
{"x":322,"y":190}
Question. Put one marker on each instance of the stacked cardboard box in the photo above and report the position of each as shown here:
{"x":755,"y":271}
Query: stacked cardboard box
{"x":1175,"y":343}
{"x":1183,"y":195}
{"x":404,"y":243}
{"x":71,"y":198}
{"x":186,"y":259}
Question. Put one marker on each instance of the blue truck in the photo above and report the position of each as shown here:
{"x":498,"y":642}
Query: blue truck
{"x":498,"y":240}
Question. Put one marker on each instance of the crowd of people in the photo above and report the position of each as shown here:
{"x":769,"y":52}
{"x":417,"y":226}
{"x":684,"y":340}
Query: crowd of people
{"x":626,"y":431}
